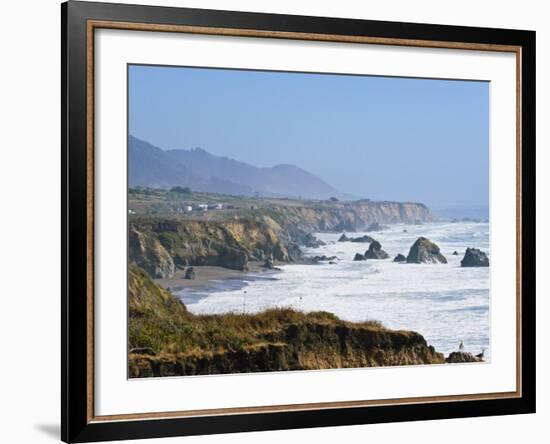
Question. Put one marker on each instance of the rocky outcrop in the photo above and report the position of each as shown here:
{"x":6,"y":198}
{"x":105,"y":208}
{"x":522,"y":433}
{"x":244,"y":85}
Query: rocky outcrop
{"x":190,"y":273}
{"x":365,"y":239}
{"x":323,"y":258}
{"x":276,"y":231}
{"x":148,"y":253}
{"x":269,"y":265}
{"x":461,"y":357}
{"x":233,"y":258}
{"x":474,"y":258}
{"x":375,"y":226}
{"x":359,"y":257}
{"x":400,"y":258}
{"x":329,"y":216}
{"x":424,"y":251}
{"x":230,"y":244}
{"x":166,"y":340}
{"x":375,"y":251}
{"x":308,"y":240}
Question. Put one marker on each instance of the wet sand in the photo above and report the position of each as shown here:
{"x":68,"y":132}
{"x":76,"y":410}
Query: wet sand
{"x":205,"y":275}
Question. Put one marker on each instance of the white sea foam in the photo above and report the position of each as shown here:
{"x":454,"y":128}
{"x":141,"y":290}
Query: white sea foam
{"x":445,"y":303}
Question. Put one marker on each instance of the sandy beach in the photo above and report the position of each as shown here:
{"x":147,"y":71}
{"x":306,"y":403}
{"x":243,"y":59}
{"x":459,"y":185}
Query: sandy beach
{"x":205,"y":274}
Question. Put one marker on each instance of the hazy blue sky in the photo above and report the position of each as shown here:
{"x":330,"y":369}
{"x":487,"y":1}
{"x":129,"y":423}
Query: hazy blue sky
{"x":377,"y":137}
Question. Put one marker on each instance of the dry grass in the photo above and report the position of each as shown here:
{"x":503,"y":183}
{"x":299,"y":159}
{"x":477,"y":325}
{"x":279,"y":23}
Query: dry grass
{"x":161,"y":322}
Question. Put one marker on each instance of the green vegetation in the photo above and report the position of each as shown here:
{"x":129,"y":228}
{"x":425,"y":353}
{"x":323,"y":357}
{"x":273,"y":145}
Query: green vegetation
{"x":181,"y":190}
{"x":161,"y":322}
{"x":289,"y":219}
{"x":179,"y":228}
{"x":165,"y":339}
{"x":228,"y":243}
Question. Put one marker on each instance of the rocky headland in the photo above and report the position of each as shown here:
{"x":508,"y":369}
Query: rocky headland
{"x":184,"y":250}
{"x":275,"y":233}
{"x":166,"y":340}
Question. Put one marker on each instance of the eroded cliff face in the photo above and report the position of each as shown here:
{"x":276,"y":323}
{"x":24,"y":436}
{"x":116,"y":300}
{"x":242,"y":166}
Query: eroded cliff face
{"x":350,"y":216}
{"x":277,"y":232}
{"x":230,"y":244}
{"x":147,"y":252}
{"x":166,"y":340}
{"x":308,"y":346}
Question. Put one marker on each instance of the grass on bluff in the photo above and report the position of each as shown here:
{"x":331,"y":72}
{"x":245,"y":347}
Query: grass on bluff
{"x":160,"y":321}
{"x":163,"y":202}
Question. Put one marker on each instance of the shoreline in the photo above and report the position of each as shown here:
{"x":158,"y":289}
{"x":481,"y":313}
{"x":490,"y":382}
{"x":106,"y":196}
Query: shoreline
{"x":212,"y":277}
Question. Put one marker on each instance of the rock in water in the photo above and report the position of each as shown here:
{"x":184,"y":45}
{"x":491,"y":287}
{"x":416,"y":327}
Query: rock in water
{"x":309,"y":240}
{"x":375,"y":251}
{"x":363,"y":239}
{"x":323,"y":258}
{"x":399,"y":258}
{"x":460,"y":356}
{"x":359,"y":257}
{"x":190,"y":273}
{"x":455,"y":253}
{"x":424,"y":251}
{"x":269,"y":264}
{"x":474,"y":258}
{"x":375,"y":226}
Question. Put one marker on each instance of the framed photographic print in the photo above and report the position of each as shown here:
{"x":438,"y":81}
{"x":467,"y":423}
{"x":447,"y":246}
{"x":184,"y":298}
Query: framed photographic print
{"x":275,"y":221}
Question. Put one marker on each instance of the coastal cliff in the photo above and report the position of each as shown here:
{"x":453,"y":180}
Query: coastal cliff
{"x":166,"y":340}
{"x":275,"y":230}
{"x":168,"y":243}
{"x":347,"y":216}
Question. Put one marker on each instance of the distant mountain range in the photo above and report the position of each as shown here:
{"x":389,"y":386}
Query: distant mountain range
{"x":150,"y":166}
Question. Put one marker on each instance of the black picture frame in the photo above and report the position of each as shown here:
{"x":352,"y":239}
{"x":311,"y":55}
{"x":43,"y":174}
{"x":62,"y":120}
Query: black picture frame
{"x":76,"y":424}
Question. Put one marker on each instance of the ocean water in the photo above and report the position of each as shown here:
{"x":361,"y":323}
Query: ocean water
{"x":444,"y":302}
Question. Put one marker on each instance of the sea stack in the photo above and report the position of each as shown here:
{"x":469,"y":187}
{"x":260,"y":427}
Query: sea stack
{"x":474,"y":258}
{"x":366,"y":239}
{"x":375,"y":251}
{"x":190,"y":273}
{"x":343,"y":238}
{"x":424,"y":251}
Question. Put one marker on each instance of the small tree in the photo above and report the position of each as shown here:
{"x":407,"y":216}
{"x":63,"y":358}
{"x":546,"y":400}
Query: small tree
{"x":180,"y":190}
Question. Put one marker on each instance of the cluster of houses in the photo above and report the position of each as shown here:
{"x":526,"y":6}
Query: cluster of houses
{"x":199,"y":207}
{"x":193,"y":207}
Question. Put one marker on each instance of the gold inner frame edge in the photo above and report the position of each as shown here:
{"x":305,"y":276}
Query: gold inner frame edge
{"x":92,"y":25}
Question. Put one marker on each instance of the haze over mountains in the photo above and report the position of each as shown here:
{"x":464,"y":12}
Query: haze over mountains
{"x":150,"y":166}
